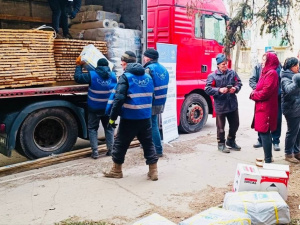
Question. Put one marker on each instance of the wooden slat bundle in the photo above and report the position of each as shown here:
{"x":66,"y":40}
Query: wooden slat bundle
{"x":65,"y":53}
{"x":26,"y":58}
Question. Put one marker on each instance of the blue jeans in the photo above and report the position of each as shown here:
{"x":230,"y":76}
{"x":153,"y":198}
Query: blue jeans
{"x":93,"y":125}
{"x":59,"y":14}
{"x":156,"y":135}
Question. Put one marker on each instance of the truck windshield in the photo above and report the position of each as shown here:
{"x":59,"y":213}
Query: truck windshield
{"x":214,"y":28}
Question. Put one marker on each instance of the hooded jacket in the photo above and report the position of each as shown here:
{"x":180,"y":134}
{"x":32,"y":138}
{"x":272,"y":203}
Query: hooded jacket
{"x":121,"y":90}
{"x":265,"y":96}
{"x":290,"y":95}
{"x":86,"y":78}
{"x":224,"y":103}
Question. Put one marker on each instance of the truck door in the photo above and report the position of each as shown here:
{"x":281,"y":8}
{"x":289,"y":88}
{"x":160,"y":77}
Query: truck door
{"x":213,"y":27}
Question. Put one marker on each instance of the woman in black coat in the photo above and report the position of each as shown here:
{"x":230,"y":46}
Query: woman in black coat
{"x":290,"y":84}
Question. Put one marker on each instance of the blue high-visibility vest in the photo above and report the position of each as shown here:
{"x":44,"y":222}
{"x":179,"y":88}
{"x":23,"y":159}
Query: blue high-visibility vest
{"x":160,"y":77}
{"x":100,"y":90}
{"x":138,"y":104}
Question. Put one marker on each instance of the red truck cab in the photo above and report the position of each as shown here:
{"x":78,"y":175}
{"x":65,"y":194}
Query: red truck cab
{"x":198,"y":35}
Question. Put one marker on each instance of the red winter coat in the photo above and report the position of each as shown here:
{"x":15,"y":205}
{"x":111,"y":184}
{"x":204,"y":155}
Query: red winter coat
{"x":265,"y":97}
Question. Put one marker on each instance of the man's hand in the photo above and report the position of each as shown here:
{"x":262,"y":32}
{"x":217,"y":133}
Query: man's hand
{"x":223,"y":90}
{"x":72,"y":15}
{"x":111,"y":123}
{"x":78,"y":61}
{"x":232,"y":90}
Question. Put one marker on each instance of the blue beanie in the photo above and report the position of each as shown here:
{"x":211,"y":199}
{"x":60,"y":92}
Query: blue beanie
{"x":220,"y":58}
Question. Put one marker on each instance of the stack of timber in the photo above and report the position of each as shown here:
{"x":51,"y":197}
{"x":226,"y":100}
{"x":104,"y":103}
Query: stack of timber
{"x":26,"y":58}
{"x":65,"y":53}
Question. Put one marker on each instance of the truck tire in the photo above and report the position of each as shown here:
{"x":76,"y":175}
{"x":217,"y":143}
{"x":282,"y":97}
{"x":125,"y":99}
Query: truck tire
{"x":48,"y":131}
{"x":193,"y":114}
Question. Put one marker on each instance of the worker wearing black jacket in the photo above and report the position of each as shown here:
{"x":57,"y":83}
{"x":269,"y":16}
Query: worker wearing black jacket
{"x":132,"y":101}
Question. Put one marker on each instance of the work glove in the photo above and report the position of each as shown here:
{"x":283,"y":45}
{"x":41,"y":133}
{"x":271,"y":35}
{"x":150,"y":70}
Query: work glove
{"x":111,"y":123}
{"x":72,"y":15}
{"x":78,"y":61}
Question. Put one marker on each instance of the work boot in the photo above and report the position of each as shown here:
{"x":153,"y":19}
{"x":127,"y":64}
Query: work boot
{"x":160,"y":155}
{"x":291,"y":158}
{"x":108,"y":153}
{"x":152,"y":174}
{"x":95,"y":155}
{"x":115,"y":171}
{"x":257,"y":145}
{"x":68,"y":36}
{"x":232,"y":144}
{"x":297,"y":156}
{"x":276,"y":147}
{"x":223,"y":148}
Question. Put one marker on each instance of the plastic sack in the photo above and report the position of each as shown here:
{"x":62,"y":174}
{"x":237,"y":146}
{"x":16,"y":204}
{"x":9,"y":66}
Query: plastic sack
{"x":263,"y":207}
{"x":154,"y":219}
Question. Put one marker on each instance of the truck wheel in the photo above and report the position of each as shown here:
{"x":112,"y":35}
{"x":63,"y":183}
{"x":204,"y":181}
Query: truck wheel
{"x":48,"y":131}
{"x":193,"y":115}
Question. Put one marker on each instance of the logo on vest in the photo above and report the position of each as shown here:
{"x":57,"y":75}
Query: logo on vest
{"x":104,"y":82}
{"x":162,"y":76}
{"x":141,"y":83}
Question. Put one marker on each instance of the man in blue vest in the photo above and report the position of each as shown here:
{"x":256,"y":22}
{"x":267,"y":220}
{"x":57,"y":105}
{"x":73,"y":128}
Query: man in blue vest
{"x":160,"y":78}
{"x":132,"y":101}
{"x":101,"y":83}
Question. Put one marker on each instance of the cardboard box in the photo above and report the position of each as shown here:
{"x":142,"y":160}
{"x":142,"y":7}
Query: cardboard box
{"x":272,"y":166}
{"x":247,"y":178}
{"x":274,"y":180}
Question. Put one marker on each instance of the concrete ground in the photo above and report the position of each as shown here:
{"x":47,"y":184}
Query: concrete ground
{"x":191,"y":173}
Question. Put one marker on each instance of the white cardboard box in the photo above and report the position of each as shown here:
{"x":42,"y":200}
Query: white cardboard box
{"x":272,"y":166}
{"x":274,"y":180}
{"x":247,"y":178}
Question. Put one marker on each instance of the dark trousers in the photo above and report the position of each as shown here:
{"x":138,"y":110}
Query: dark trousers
{"x":266,"y":141}
{"x":277,"y":133}
{"x":59,"y":14}
{"x":127,"y":130}
{"x":292,"y":138}
{"x":233,"y":120}
{"x":93,"y":126}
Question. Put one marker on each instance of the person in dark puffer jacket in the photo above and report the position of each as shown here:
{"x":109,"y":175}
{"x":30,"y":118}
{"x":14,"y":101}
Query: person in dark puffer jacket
{"x":225,"y":102}
{"x":290,"y":84}
{"x":132,"y":101}
{"x":101,"y":83}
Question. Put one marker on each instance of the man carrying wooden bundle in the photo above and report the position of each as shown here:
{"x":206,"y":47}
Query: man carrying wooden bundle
{"x":101,"y":83}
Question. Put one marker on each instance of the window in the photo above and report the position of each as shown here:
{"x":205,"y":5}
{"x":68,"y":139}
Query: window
{"x":198,"y":26}
{"x":214,"y":27}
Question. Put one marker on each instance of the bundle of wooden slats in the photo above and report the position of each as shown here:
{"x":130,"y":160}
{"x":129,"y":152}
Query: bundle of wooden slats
{"x":65,"y":53}
{"x":26,"y":58}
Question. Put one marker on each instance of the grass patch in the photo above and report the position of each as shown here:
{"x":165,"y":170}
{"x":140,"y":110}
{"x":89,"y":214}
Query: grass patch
{"x":76,"y":221}
{"x":295,"y":222}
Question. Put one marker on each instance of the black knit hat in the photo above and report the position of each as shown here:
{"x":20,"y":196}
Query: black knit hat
{"x":151,"y":53}
{"x":102,"y":62}
{"x":128,"y":57}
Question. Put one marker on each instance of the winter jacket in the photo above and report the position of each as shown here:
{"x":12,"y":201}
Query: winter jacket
{"x":122,"y":94}
{"x":224,"y":103}
{"x":290,"y":95}
{"x":265,"y":97}
{"x":160,"y":77}
{"x":103,"y":72}
{"x":255,"y":77}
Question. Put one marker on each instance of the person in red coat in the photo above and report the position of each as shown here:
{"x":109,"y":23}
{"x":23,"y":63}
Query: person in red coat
{"x":266,"y":103}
